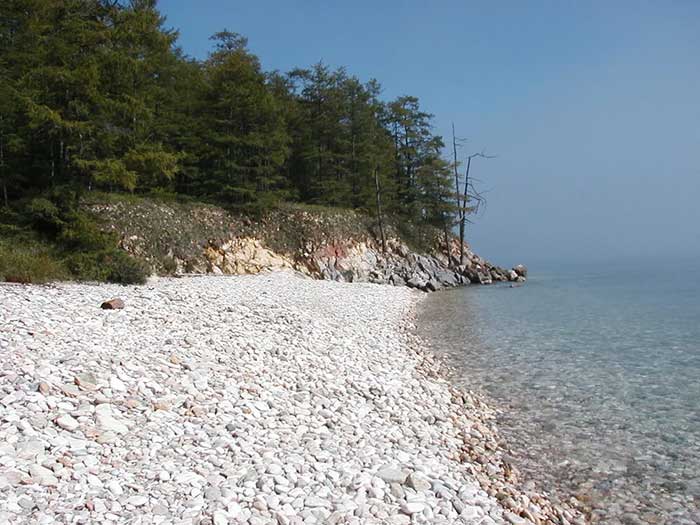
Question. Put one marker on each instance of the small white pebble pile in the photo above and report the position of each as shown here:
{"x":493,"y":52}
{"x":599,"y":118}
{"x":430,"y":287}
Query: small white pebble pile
{"x":252,"y":399}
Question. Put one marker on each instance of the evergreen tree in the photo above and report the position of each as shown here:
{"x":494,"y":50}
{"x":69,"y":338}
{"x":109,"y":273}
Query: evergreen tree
{"x":414,"y":144}
{"x":246,"y":141}
{"x":96,"y":94}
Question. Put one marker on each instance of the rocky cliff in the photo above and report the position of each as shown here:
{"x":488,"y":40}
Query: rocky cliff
{"x":338,"y":245}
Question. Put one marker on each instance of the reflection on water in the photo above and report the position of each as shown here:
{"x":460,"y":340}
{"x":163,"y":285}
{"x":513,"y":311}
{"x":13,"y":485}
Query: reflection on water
{"x":600,"y":376}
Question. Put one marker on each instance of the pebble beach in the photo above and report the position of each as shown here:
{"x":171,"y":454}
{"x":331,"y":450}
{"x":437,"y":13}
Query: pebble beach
{"x":250,"y":399}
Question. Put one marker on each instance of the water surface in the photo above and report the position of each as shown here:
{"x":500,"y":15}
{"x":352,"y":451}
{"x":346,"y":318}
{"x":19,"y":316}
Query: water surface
{"x":598,"y":368}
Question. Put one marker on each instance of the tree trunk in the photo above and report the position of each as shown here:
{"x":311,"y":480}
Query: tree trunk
{"x":463,"y":214}
{"x":62,"y":157}
{"x":447,"y":242}
{"x":53,"y":163}
{"x":397,"y":154}
{"x":379,"y":209}
{"x":355,"y":170}
{"x":461,"y":203}
{"x":454,"y":153}
{"x":409,"y":160}
{"x":2,"y":167}
{"x":462,"y":224}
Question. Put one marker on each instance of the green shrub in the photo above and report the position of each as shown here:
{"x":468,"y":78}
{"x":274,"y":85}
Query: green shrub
{"x":44,"y":215}
{"x":169,"y":265}
{"x":108,"y":265}
{"x":124,"y":269}
{"x":81,"y":233}
{"x":51,"y":239}
{"x":87,"y":266}
{"x":29,"y":264}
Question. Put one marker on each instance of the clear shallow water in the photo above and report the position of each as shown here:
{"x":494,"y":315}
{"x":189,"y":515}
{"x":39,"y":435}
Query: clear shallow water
{"x":598,"y":369}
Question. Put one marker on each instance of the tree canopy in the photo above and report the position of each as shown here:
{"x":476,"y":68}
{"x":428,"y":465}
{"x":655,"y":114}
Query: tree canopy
{"x":96,"y":94}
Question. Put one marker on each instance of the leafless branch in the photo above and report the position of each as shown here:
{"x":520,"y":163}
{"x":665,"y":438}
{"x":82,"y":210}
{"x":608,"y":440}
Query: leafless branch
{"x":481,"y":154}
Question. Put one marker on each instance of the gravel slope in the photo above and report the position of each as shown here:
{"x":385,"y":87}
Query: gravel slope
{"x":251,"y":399}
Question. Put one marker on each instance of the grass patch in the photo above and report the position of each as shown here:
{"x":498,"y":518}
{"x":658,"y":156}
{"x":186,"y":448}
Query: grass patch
{"x":30,"y":262}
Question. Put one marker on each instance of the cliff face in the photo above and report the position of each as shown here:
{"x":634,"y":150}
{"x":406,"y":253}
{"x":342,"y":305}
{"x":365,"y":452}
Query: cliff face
{"x":336,"y":245}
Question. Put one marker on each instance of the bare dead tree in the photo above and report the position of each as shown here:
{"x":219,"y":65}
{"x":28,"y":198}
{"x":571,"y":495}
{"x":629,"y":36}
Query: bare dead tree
{"x":469,"y":199}
{"x":469,"y":194}
{"x":458,"y":193}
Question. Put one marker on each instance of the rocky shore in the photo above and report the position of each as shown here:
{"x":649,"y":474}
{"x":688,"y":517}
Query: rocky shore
{"x":253,"y":399}
{"x":335,"y":245}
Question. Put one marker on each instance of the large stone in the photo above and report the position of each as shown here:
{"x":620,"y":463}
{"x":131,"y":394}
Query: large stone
{"x":137,"y":501}
{"x":498,"y":274}
{"x":412,"y":507}
{"x":113,"y":304}
{"x":415,"y":282}
{"x":107,"y":422}
{"x":86,"y":381}
{"x":418,"y":482}
{"x":67,"y":422}
{"x":314,"y":501}
{"x":391,"y":474}
{"x":432,"y":285}
{"x":446,"y":278}
{"x":484,"y":278}
{"x":521,"y":270}
{"x":220,"y":518}
{"x":42,"y":476}
{"x":30,"y":449}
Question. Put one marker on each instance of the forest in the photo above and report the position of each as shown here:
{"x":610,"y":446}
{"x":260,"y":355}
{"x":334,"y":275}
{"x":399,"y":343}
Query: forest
{"x":96,"y":95}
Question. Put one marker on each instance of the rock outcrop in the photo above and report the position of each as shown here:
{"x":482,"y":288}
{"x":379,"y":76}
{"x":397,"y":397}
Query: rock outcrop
{"x":352,"y":261}
{"x":338,"y":246}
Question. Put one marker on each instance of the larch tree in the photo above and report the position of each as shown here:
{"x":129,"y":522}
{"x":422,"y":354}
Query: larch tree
{"x":246,"y":141}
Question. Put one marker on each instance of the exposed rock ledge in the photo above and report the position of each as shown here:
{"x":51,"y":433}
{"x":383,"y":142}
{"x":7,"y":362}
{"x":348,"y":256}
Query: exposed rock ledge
{"x":352,"y":261}
{"x":338,"y":246}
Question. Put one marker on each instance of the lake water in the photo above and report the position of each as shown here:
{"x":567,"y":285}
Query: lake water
{"x":598,"y":372}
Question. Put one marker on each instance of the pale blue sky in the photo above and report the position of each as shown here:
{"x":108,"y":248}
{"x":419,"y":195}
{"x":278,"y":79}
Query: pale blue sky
{"x":592,"y":107}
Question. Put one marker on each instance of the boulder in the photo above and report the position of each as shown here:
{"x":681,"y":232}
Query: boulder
{"x":483,"y":277}
{"x":446,"y":278}
{"x":396,"y":280}
{"x":113,"y":304}
{"x":521,"y":270}
{"x":432,"y":285}
{"x":416,"y":282}
{"x":498,"y":274}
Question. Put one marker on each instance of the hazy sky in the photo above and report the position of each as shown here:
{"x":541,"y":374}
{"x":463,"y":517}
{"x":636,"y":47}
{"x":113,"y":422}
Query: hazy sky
{"x":592,"y":107}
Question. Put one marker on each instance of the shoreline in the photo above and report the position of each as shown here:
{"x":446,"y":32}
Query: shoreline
{"x":490,"y":458}
{"x":265,"y":398}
